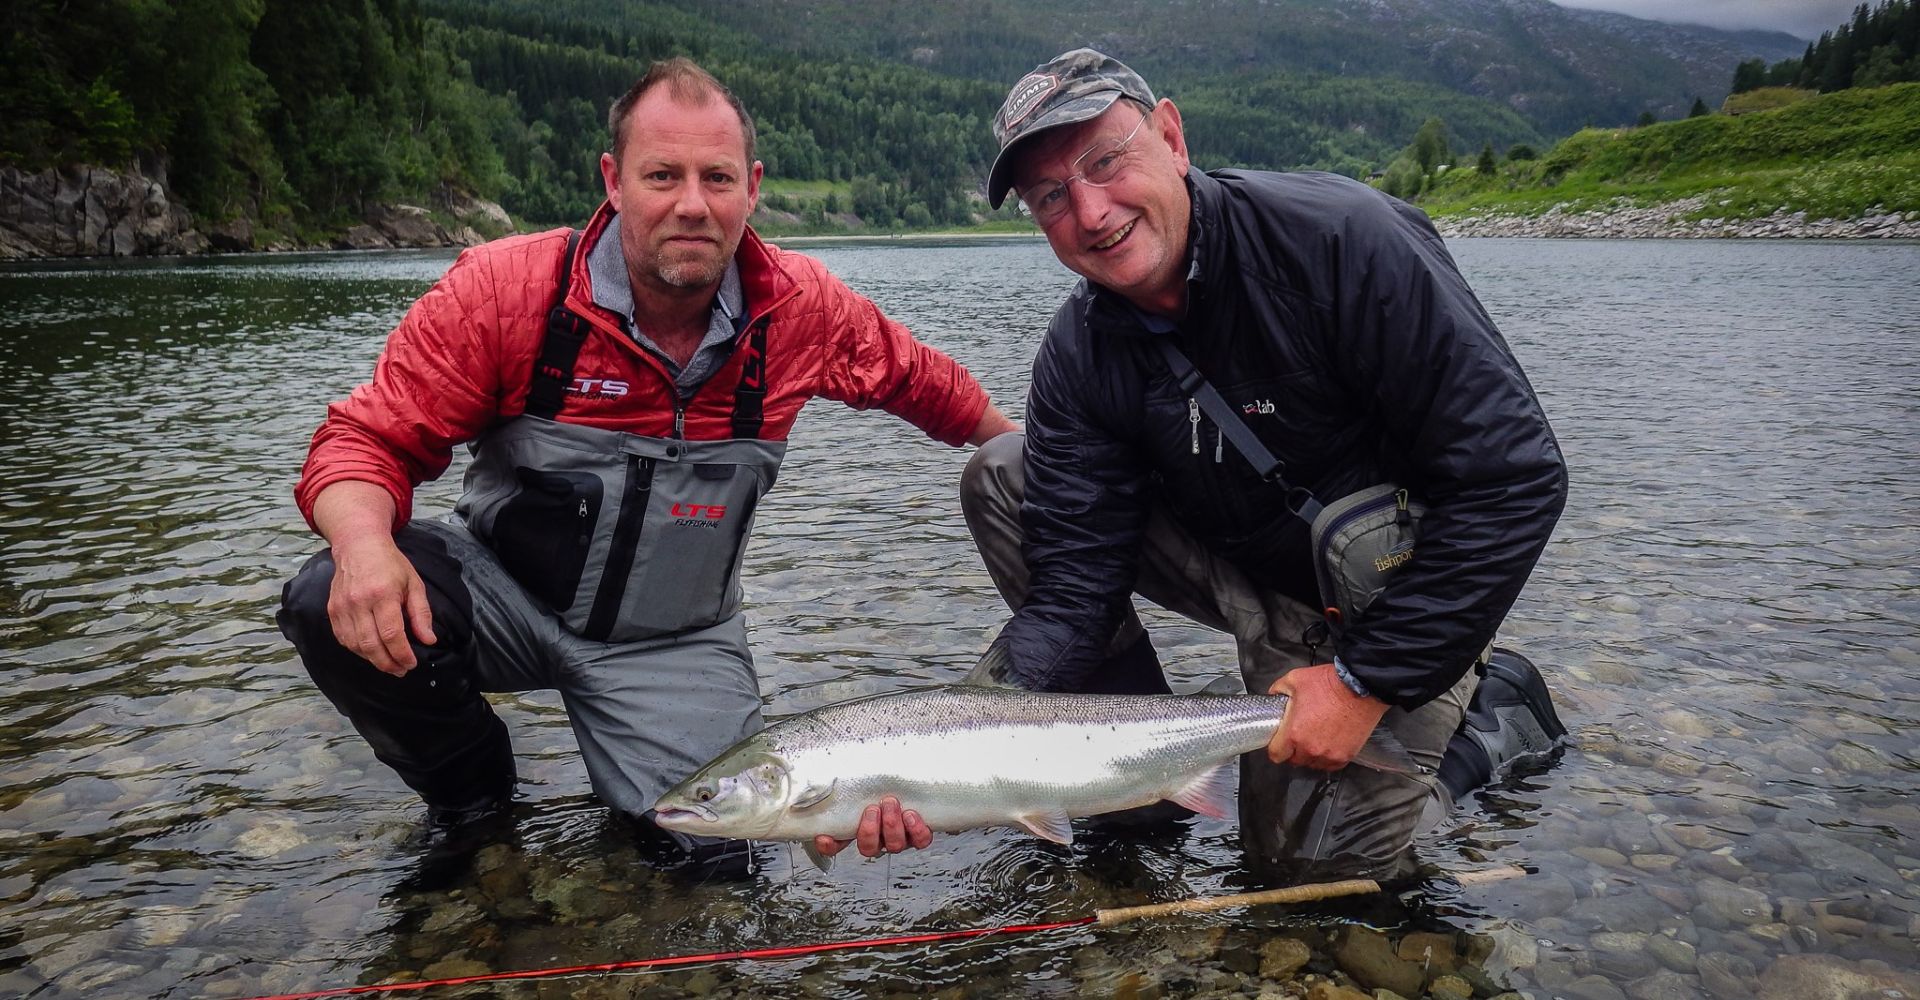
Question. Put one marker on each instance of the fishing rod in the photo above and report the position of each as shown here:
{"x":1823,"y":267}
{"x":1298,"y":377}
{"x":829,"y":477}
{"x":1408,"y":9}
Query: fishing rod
{"x":1099,"y":918}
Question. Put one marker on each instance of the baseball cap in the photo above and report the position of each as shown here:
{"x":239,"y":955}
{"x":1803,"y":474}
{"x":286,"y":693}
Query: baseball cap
{"x":1065,"y":90}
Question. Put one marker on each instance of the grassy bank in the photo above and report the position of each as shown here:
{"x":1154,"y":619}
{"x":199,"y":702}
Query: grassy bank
{"x":1839,"y":156}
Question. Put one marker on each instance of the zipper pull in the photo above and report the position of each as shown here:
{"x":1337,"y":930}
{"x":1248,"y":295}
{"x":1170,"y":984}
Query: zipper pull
{"x":679,"y":422}
{"x":1219,"y":444}
{"x":1401,"y":516}
{"x":1193,"y":423}
{"x":583,"y":509}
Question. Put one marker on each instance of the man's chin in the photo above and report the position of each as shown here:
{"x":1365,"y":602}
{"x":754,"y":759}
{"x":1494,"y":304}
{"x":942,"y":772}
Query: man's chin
{"x":691,"y":273}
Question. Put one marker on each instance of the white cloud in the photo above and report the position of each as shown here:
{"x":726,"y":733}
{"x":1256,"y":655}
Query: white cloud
{"x":1805,"y":18}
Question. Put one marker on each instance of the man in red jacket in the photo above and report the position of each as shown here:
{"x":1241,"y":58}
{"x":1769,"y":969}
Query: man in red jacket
{"x":627,"y":391}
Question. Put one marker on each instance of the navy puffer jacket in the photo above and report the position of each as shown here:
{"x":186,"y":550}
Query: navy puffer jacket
{"x":1333,"y":317}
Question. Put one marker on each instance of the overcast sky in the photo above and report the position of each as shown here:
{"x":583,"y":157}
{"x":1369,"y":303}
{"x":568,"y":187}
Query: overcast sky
{"x":1805,"y":18}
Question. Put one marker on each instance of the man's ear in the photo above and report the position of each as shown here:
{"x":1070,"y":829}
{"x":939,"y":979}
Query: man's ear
{"x":1167,"y":120}
{"x":610,"y":176}
{"x":753,"y":185}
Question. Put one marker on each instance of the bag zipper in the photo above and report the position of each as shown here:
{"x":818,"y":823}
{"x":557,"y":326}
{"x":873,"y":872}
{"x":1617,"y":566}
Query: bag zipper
{"x":1403,"y":517}
{"x":626,"y":538}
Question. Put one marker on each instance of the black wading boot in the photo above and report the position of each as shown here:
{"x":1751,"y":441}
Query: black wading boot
{"x":1510,"y":721}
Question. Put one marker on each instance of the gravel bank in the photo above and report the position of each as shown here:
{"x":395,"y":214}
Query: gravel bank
{"x":1667,"y":221}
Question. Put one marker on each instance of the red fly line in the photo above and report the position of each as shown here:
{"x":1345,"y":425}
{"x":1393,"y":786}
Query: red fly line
{"x":790,"y":951}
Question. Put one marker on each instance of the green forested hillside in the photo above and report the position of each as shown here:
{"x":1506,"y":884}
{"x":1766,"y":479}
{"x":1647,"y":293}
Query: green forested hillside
{"x":1839,"y":155}
{"x":303,"y":114}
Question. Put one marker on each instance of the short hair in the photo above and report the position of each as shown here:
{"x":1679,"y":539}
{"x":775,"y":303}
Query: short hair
{"x":687,"y":82}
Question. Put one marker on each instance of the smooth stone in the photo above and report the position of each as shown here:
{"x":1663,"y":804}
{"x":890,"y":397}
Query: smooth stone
{"x":455,"y":967}
{"x":1434,"y":952}
{"x":1728,"y":977}
{"x":1654,"y":862}
{"x":269,"y":839}
{"x":1734,"y":904}
{"x":1792,"y":977}
{"x":1450,"y":988}
{"x":1280,"y":958}
{"x":1799,"y":759}
{"x":1671,"y":952}
{"x":1334,"y":991}
{"x":1368,"y":956}
{"x":1513,"y":949}
{"x":1536,"y":896}
{"x":1590,"y":988}
{"x":1665,"y":984}
{"x":1681,"y":722}
{"x":1197,"y":947}
{"x":1696,"y":837}
{"x":1605,"y":856}
{"x":1622,"y":954}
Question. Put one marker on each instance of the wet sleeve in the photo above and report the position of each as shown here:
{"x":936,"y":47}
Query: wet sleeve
{"x":874,"y":362}
{"x":435,"y":385}
{"x":1084,"y":515}
{"x":1412,"y":340}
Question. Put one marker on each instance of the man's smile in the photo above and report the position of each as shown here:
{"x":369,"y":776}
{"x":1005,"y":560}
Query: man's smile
{"x":1118,"y":235}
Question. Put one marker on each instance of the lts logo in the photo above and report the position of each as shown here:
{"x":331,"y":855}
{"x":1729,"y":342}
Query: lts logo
{"x":598,"y":388}
{"x":698,"y":515}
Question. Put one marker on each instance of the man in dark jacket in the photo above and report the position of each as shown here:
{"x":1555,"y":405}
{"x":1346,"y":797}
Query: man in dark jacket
{"x":1334,"y":323}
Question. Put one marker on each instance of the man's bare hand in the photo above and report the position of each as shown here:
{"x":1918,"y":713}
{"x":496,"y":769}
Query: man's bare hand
{"x":1325,"y":723}
{"x":377,"y":597}
{"x":884,"y":827}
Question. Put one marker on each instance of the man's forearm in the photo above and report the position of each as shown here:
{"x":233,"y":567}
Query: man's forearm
{"x":350,"y":511}
{"x":992,"y":424}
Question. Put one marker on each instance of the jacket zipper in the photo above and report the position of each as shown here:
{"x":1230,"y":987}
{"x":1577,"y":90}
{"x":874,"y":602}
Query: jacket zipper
{"x":626,"y":538}
{"x":1193,"y":423}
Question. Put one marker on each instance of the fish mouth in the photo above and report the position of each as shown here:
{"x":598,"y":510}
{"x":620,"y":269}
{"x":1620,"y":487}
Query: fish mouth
{"x":678,"y":817}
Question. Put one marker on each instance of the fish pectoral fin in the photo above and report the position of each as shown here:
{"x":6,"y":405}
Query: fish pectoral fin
{"x":1383,"y":751}
{"x":812,"y":795}
{"x":820,"y":861}
{"x":1056,"y":827}
{"x":1210,"y":793}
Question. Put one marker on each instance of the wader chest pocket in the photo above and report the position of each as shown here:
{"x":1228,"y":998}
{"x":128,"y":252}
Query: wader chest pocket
{"x":544,"y":532}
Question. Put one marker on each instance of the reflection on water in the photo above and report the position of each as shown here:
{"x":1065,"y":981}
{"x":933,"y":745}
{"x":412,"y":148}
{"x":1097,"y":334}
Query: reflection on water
{"x":1728,"y":611}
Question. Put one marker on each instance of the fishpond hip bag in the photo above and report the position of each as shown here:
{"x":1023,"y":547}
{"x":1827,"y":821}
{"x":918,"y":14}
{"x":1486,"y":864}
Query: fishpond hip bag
{"x":1357,"y":542}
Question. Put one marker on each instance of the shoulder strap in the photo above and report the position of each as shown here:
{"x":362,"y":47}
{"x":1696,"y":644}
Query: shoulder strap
{"x":750,"y":396}
{"x":1301,"y":502}
{"x":566,"y":331}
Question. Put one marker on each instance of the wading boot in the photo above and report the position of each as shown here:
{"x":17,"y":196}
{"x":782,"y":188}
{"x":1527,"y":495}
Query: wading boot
{"x":1510,"y":722}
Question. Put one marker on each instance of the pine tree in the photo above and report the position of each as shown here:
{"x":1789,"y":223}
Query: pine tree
{"x":1486,"y":164}
{"x":1699,"y":109}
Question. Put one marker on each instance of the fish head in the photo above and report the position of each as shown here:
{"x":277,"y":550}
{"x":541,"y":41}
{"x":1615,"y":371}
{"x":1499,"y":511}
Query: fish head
{"x":741,"y":795}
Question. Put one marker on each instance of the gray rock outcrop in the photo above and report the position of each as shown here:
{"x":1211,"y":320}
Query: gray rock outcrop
{"x":87,"y":211}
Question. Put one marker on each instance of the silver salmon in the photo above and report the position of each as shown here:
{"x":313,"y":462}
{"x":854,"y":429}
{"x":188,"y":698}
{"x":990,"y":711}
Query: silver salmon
{"x":966,"y":757}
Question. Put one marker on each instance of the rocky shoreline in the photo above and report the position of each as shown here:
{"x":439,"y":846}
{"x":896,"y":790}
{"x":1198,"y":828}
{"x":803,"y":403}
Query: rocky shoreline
{"x":1670,"y":220}
{"x":88,"y":211}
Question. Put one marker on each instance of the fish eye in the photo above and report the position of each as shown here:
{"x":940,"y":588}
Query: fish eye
{"x":704,"y":793}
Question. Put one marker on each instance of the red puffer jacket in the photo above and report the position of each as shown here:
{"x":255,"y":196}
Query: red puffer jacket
{"x":461,"y":360}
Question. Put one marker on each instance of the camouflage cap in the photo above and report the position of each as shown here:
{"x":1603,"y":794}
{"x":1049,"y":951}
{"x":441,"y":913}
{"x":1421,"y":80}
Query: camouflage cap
{"x":1069,"y":88}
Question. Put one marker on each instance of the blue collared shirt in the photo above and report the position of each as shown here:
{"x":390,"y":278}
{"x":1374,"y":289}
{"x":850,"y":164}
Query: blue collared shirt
{"x":607,"y":267}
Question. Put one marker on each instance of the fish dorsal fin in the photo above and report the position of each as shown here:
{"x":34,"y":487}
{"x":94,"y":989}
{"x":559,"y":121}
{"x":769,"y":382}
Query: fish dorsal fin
{"x":1210,"y":793}
{"x":820,"y":861}
{"x":1383,"y":751}
{"x":812,"y":795}
{"x":1051,"y":826}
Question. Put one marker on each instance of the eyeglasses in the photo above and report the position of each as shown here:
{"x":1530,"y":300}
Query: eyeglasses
{"x":1104,"y":162}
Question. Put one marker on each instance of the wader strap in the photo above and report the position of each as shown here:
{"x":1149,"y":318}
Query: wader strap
{"x":566,"y":331}
{"x":750,"y":396}
{"x":1196,"y":387}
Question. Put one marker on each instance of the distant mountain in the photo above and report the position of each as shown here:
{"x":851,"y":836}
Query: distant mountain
{"x":1561,"y":68}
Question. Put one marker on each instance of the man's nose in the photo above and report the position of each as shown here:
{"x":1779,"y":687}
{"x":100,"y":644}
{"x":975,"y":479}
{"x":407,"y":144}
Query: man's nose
{"x":1090,"y":203}
{"x":692,"y":202}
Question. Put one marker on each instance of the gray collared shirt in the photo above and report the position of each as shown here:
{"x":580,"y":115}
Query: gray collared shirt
{"x":607,"y":267}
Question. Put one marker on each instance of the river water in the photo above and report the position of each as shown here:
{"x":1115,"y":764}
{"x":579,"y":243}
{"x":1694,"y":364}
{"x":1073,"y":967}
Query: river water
{"x":1729,"y":613}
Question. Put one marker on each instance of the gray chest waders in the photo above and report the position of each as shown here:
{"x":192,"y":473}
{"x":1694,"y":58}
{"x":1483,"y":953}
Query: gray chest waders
{"x":624,"y":537}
